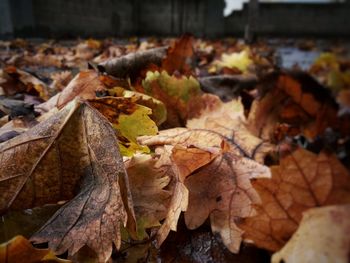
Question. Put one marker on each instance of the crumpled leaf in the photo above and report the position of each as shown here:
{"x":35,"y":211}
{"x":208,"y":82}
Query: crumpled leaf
{"x":147,"y":185}
{"x":129,"y":119}
{"x":293,"y":99}
{"x":174,"y":92}
{"x":240,"y":61}
{"x":19,"y":249}
{"x":74,"y":149}
{"x":303,"y":180}
{"x":323,"y":236}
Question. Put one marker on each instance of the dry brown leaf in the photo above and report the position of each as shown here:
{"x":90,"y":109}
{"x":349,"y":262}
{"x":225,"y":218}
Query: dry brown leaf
{"x":74,"y":149}
{"x":19,"y":249}
{"x":84,"y":85}
{"x":211,"y":154}
{"x":147,"y":185}
{"x":179,"y":56}
{"x":217,"y":122}
{"x":303,"y":180}
{"x":222,"y":191}
{"x":293,"y":99}
{"x":14,"y":81}
{"x":323,"y":236}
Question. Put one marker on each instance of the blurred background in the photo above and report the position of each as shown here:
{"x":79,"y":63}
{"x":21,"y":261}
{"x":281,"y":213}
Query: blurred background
{"x":203,"y":18}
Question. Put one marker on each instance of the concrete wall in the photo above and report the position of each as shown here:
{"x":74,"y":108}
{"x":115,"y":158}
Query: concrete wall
{"x":331,"y":20}
{"x":101,"y":18}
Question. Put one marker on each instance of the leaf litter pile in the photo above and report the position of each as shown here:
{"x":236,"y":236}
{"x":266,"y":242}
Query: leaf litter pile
{"x":172,"y":150}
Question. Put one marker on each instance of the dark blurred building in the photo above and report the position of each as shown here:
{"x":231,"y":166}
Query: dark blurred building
{"x":101,"y":18}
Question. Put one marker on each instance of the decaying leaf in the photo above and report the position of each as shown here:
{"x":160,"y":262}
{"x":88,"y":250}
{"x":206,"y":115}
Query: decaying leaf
{"x":72,"y":153}
{"x":323,"y":236}
{"x":174,"y":92}
{"x":19,"y":249}
{"x":293,"y":99}
{"x":129,"y":119}
{"x":303,"y":180}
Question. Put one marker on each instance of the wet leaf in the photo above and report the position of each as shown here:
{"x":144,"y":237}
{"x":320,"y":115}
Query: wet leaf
{"x":174,"y":92}
{"x":129,"y":119}
{"x":74,"y":149}
{"x":303,"y":180}
{"x":323,"y":236}
{"x":19,"y":249}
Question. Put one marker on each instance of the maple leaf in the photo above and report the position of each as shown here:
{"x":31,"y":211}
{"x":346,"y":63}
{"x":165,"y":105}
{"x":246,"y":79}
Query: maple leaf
{"x":323,"y":236}
{"x":303,"y":180}
{"x":129,"y":119}
{"x":212,"y":160}
{"x":293,"y":99}
{"x":74,"y":149}
{"x":175,"y":93}
{"x":18,"y":249}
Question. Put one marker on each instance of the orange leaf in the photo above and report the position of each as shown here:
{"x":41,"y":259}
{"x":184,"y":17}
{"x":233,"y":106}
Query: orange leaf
{"x":179,"y":56}
{"x":303,"y":180}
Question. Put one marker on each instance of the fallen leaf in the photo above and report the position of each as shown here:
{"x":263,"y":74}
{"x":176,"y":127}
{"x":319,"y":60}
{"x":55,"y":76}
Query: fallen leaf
{"x":74,"y":149}
{"x":303,"y":180}
{"x":216,"y":158}
{"x":222,"y":191}
{"x":84,"y":85}
{"x":175,"y":93}
{"x":147,"y":185}
{"x":179,"y":57}
{"x":16,"y":81}
{"x":294,"y":99}
{"x":159,"y":112}
{"x":240,"y":61}
{"x":129,"y":119}
{"x":19,"y":249}
{"x":323,"y":236}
